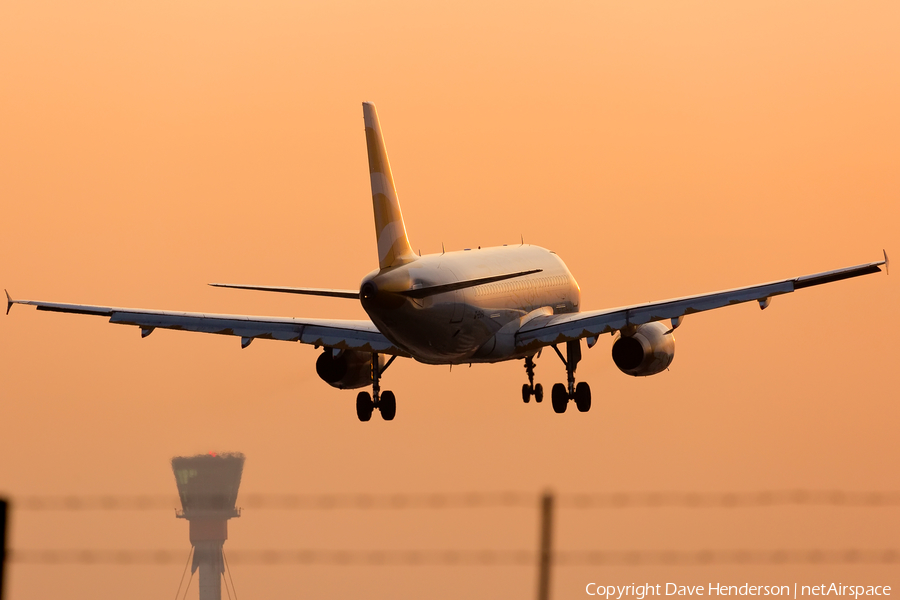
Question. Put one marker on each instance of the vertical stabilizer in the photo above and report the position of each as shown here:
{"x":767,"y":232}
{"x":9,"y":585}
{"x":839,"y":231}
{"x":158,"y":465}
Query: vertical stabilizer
{"x":390,"y":232}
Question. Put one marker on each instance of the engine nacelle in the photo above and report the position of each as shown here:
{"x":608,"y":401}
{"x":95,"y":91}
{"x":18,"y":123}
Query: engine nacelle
{"x":647,"y":351}
{"x":348,"y":370}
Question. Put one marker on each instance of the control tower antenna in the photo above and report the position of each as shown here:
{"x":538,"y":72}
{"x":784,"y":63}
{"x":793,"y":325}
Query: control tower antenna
{"x":208,"y":486}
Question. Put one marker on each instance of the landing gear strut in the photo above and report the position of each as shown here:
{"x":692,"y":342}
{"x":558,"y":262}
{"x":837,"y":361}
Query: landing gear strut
{"x":581,"y":393}
{"x":385,"y":402}
{"x":530,"y":389}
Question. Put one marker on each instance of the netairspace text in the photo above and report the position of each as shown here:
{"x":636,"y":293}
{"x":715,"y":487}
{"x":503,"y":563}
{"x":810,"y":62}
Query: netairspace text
{"x":639,"y":592}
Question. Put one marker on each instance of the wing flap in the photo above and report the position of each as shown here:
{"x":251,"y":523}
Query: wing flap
{"x":205,"y":324}
{"x":76,"y":309}
{"x":838,"y":275}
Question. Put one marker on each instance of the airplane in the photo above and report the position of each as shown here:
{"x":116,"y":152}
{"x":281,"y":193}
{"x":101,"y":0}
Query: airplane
{"x":485,"y":305}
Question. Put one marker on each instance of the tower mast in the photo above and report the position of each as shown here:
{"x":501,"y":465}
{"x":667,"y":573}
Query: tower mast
{"x":208,"y":487}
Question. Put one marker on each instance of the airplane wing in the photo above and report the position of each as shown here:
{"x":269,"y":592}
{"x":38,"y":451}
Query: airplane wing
{"x":332,"y":333}
{"x":555,"y":329}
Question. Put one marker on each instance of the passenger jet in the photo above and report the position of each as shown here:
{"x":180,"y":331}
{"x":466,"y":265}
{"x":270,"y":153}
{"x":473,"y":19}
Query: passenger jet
{"x":472,"y":306}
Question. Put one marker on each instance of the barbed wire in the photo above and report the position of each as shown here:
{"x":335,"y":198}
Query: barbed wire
{"x":616,"y":500}
{"x":734,"y":557}
{"x":761,"y":499}
{"x":466,"y":557}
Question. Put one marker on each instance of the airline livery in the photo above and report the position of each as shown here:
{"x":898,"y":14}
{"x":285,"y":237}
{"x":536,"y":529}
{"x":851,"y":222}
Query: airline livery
{"x":473,"y":306}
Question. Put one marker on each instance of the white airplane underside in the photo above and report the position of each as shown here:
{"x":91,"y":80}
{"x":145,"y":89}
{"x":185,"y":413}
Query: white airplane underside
{"x":474,"y":306}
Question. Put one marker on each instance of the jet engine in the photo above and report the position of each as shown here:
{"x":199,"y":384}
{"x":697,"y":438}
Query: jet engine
{"x":346,"y":369}
{"x":647,"y":350}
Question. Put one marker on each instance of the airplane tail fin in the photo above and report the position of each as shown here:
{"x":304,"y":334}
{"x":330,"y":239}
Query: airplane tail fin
{"x":390,"y":232}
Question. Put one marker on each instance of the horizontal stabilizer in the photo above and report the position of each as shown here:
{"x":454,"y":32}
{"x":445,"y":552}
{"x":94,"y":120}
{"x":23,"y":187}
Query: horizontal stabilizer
{"x":292,"y":290}
{"x":424,"y":292}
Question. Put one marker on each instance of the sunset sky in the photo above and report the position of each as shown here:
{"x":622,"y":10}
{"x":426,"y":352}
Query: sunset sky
{"x":660,"y":148}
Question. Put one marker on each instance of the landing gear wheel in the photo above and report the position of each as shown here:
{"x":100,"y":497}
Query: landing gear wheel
{"x":559,"y":397}
{"x":583,"y":397}
{"x":388,"y":406}
{"x":364,"y":406}
{"x":538,"y":393}
{"x":526,"y":393}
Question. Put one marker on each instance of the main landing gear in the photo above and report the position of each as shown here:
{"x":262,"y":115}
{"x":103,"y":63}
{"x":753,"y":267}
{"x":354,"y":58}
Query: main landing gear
{"x":561,"y":394}
{"x":385,"y":401}
{"x":530,"y":389}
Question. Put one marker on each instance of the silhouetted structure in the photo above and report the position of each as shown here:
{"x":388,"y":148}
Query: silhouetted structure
{"x":4,"y":512}
{"x":545,"y":552}
{"x":208,"y":486}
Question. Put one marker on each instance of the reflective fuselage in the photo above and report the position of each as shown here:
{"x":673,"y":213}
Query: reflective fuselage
{"x":475,"y":324}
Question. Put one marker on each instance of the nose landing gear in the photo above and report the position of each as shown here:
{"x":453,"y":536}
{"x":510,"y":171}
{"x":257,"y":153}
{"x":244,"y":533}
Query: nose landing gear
{"x":385,"y":401}
{"x":561,"y":394}
{"x":530,"y":389}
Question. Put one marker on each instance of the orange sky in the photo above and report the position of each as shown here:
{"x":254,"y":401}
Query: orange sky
{"x":662,"y":149}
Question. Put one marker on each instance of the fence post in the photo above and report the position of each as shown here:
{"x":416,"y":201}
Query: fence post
{"x":544,"y":554}
{"x":4,"y":516}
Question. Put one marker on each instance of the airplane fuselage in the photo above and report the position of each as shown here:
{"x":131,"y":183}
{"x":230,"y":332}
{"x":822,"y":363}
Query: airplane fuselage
{"x":475,"y":324}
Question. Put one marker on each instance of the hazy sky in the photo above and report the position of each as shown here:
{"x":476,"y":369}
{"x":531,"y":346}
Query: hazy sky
{"x":662,"y":149}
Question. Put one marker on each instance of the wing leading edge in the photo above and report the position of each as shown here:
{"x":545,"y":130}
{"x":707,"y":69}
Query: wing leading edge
{"x":345,"y":335}
{"x":555,"y":329}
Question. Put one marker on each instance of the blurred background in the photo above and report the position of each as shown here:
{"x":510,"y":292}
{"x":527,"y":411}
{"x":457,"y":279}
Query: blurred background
{"x":662,"y":149}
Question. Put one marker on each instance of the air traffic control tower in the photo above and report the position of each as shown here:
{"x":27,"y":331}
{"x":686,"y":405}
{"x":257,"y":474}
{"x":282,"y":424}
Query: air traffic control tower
{"x":208,"y":486}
